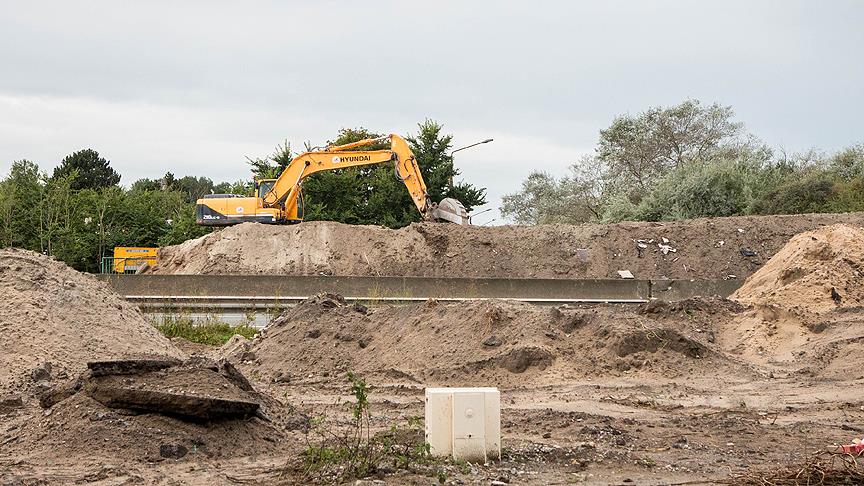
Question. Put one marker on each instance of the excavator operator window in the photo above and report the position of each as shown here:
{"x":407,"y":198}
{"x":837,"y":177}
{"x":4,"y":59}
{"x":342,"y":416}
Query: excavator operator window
{"x":264,"y":186}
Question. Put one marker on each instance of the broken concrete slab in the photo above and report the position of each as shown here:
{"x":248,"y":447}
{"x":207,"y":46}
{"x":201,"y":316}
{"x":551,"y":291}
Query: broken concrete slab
{"x":130,"y":366}
{"x":184,"y":405}
{"x":58,"y":393}
{"x":234,"y":375}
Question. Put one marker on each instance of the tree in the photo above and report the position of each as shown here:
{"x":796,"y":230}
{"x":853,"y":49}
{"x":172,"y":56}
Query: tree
{"x":90,"y":170}
{"x":272,"y":166}
{"x":20,"y":195}
{"x":432,"y":150}
{"x":640,"y":149}
{"x":633,"y":158}
{"x":194,"y":187}
{"x":544,"y":199}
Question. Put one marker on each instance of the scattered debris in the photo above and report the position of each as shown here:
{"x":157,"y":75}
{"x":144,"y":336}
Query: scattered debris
{"x":625,"y":274}
{"x":856,"y":448}
{"x":745,"y":252}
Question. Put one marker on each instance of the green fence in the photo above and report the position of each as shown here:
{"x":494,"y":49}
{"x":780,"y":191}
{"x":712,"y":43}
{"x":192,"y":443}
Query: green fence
{"x":124,"y":265}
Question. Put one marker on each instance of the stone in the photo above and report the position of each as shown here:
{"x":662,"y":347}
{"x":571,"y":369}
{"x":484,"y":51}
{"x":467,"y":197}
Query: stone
{"x":173,"y":451}
{"x":10,"y":402}
{"x":41,"y":372}
{"x":492,"y":341}
{"x":282,"y":377}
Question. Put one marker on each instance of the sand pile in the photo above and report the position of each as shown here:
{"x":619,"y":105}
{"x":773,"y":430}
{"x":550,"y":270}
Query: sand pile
{"x":806,"y":305}
{"x":700,"y":248}
{"x":817,"y":271}
{"x":498,"y":342}
{"x":50,"y":313}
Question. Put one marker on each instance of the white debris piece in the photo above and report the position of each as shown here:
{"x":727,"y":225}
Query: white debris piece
{"x":625,"y":274}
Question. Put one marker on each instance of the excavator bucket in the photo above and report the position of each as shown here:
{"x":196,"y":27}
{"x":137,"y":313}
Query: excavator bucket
{"x":449,"y":209}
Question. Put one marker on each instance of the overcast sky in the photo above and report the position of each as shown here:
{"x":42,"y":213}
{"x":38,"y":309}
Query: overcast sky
{"x":194,"y":87}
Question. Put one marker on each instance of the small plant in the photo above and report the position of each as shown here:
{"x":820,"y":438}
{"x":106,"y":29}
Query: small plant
{"x":212,"y":332}
{"x":350,"y":450}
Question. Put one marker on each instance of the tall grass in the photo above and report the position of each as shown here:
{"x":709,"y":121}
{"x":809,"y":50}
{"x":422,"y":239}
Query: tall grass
{"x":212,"y":332}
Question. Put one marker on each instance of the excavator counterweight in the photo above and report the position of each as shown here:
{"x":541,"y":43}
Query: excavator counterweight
{"x":280,"y":200}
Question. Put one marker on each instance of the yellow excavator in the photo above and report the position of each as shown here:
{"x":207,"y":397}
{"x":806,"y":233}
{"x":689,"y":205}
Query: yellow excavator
{"x":280,"y":201}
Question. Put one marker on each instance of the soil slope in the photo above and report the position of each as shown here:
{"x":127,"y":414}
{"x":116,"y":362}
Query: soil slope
{"x":52,"y":313}
{"x":701,"y":248}
{"x":493,"y":342}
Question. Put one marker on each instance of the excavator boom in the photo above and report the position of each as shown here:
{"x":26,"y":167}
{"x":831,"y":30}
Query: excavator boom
{"x":281,"y":200}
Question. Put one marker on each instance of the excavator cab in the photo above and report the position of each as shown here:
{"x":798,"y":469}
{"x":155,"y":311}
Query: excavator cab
{"x":263,"y":186}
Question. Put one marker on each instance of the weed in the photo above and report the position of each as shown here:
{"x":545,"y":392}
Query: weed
{"x":212,"y":332}
{"x":342,"y":452}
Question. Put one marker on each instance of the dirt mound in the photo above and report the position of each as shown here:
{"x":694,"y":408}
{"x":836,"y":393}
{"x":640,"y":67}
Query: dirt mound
{"x":130,"y":412}
{"x":700,"y":248}
{"x":53,"y":320}
{"x":805,"y":305}
{"x":500,"y":342}
{"x":816,"y":272}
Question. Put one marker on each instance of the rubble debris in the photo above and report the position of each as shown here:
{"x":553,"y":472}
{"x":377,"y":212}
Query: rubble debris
{"x":835,"y":296}
{"x":234,"y":376}
{"x":194,"y":392}
{"x":626,"y":274}
{"x":195,"y":407}
{"x":856,"y":448}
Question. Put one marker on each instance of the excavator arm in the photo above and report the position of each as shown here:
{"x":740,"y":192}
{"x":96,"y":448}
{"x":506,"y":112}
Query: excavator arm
{"x":279,"y":201}
{"x":286,"y":189}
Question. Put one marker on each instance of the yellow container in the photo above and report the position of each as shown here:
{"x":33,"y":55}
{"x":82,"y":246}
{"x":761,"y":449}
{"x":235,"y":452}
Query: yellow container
{"x":131,"y":258}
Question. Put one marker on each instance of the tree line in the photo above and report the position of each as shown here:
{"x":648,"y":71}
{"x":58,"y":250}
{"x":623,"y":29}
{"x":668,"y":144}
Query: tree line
{"x":688,"y":161}
{"x":80,"y":212}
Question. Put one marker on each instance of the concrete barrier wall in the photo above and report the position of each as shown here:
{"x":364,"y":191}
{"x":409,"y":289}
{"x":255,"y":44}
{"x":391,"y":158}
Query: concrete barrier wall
{"x":411,"y":287}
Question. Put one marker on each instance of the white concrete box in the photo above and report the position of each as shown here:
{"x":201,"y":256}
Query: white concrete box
{"x":464,"y":423}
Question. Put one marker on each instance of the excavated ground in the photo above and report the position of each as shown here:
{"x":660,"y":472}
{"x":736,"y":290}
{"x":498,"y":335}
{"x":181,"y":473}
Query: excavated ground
{"x":714,"y":248}
{"x":704,"y":389}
